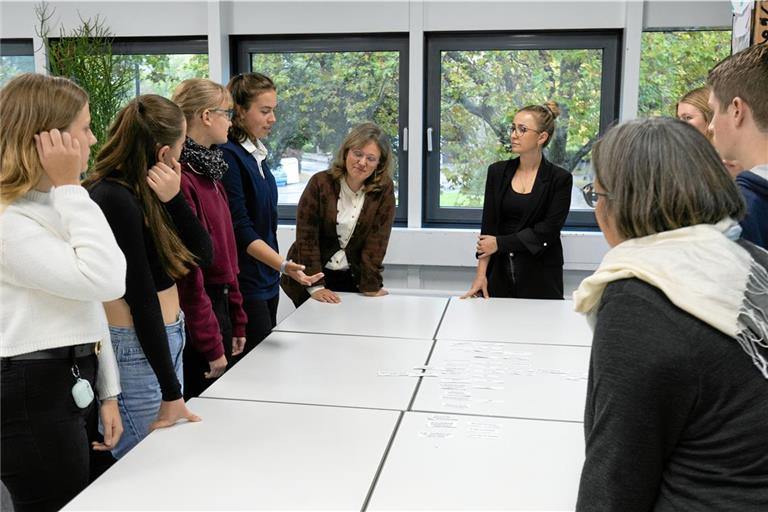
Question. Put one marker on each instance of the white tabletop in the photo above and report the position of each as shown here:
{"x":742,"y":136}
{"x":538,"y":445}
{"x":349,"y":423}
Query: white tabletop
{"x":552,"y":322}
{"x":250,"y":455}
{"x":327,"y":369}
{"x":454,"y":462}
{"x":391,"y":316}
{"x":506,"y":379}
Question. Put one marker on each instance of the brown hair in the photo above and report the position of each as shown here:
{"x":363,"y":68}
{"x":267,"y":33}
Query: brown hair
{"x":545,"y":114}
{"x":30,"y":104}
{"x":358,"y":137}
{"x":196,"y":95}
{"x":245,"y":88}
{"x":699,"y":99}
{"x":660,"y":175}
{"x":744,"y":74}
{"x":145,"y":124}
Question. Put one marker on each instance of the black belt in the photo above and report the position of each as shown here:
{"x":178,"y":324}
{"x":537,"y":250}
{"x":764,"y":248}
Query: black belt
{"x":84,"y":350}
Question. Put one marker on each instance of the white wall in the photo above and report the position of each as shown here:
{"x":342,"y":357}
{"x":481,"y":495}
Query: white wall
{"x":414,"y":251}
{"x":522,"y":15}
{"x":289,"y":17}
{"x":128,"y":19}
{"x":676,"y":14}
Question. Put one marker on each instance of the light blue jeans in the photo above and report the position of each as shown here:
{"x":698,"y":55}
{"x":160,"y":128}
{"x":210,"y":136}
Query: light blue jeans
{"x":140,"y":398}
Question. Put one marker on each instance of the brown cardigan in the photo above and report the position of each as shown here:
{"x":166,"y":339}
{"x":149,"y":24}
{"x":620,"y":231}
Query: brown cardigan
{"x":317,"y":240}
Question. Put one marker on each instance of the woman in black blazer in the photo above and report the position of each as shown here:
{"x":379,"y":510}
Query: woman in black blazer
{"x":527,"y":200}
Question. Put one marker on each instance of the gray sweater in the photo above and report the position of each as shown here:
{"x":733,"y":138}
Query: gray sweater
{"x":676,"y":415}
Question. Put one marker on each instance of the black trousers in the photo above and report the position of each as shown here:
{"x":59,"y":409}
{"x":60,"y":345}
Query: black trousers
{"x":262,"y":318}
{"x":45,"y":437}
{"x":195,"y":364}
{"x":340,"y":281}
{"x":511,"y":278}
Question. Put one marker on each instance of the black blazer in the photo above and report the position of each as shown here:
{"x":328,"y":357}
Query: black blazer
{"x":535,"y":246}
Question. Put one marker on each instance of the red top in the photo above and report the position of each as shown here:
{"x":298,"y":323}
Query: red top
{"x":208,"y":201}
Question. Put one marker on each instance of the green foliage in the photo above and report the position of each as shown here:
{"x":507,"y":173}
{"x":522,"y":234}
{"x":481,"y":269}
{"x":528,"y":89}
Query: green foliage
{"x":84,"y":55}
{"x":322,"y":95}
{"x":482,"y":90}
{"x":161,"y":73}
{"x":673,"y":63}
{"x":12,"y":65}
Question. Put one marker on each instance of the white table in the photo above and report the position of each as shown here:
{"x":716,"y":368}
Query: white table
{"x":391,"y":316}
{"x":444,"y":462}
{"x":551,"y":322}
{"x":247,"y":456}
{"x":326,"y":369}
{"x":506,"y":379}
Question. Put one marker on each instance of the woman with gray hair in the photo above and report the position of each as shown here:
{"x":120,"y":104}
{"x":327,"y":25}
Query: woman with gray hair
{"x":676,"y":415}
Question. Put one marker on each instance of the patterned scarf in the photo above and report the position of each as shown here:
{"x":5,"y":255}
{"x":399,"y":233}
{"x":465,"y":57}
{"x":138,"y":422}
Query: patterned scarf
{"x":703,"y":272}
{"x":206,"y":161}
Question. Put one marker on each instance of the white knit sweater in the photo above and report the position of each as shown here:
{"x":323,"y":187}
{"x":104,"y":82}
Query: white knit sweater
{"x":58,"y":262}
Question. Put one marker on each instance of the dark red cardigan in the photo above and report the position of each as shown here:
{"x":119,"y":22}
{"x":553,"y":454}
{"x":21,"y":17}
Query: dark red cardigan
{"x":208,"y":201}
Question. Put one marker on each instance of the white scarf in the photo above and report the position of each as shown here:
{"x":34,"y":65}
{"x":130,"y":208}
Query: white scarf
{"x":700,"y":270}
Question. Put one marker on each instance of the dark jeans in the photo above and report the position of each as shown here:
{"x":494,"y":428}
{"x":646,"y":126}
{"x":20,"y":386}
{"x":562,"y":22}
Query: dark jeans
{"x":340,"y":281}
{"x":45,"y":451}
{"x":262,"y":317}
{"x":195,"y":364}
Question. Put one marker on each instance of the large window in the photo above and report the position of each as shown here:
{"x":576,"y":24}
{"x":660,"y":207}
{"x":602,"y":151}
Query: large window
{"x":476,"y":83}
{"x":325,"y":87}
{"x":15,"y":58}
{"x":673,"y":63}
{"x":158,"y":66}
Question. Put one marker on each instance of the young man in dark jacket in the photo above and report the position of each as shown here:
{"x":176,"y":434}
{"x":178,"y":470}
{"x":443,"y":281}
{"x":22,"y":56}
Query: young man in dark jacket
{"x":739,"y":101}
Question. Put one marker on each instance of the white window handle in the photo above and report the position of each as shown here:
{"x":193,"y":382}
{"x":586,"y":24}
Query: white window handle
{"x":429,"y":139}
{"x":405,"y":139}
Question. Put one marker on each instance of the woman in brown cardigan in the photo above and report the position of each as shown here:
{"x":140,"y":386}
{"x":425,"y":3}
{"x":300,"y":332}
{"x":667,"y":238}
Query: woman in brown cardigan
{"x":344,"y":220}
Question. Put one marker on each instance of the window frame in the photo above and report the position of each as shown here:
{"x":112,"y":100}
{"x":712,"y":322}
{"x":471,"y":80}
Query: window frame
{"x":166,"y":45}
{"x":17,"y":47}
{"x":243,"y":46}
{"x":171,"y":45}
{"x":609,"y":41}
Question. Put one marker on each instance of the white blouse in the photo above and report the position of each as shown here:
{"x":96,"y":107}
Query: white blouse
{"x":349,"y":206}
{"x":258,"y":151}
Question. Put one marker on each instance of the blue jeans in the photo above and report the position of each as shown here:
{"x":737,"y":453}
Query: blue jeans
{"x":140,"y":399}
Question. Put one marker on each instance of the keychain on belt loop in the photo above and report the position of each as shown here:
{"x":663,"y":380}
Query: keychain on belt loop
{"x":82,"y":392}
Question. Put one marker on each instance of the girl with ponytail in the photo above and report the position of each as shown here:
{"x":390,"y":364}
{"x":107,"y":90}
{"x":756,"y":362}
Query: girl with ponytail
{"x":136,"y":182}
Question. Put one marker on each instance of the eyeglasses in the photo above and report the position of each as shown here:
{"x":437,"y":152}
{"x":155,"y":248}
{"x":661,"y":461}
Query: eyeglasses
{"x":357,"y":154}
{"x":229,"y":112}
{"x":590,"y":196}
{"x":521,"y":129}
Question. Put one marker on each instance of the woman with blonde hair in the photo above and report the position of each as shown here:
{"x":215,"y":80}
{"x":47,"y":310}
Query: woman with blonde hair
{"x":527,"y":199}
{"x":137,"y":183}
{"x":210,"y":296}
{"x":252,"y":195}
{"x":693,"y":108}
{"x":676,"y":414}
{"x":59,"y":262}
{"x":344,"y":220}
